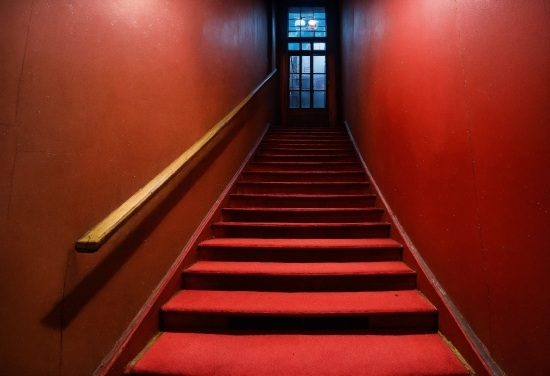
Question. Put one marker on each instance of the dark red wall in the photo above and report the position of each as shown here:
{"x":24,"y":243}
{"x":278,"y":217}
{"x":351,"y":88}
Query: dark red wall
{"x":450,"y":104}
{"x":97,"y":98}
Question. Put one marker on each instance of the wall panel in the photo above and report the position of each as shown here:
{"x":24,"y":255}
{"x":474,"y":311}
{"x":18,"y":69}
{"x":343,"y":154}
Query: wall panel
{"x":109,"y":93}
{"x":448,"y":101}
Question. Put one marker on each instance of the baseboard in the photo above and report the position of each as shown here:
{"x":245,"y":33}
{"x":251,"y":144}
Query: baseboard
{"x":451,"y":322}
{"x":145,"y":325}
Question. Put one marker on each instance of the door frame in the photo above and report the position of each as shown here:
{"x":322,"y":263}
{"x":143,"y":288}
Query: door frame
{"x":333,"y":104}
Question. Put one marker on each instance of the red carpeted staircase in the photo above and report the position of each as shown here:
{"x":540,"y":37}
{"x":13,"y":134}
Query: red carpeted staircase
{"x":300,"y":278}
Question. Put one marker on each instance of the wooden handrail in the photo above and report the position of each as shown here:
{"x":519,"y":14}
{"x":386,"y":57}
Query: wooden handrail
{"x":101,"y":232}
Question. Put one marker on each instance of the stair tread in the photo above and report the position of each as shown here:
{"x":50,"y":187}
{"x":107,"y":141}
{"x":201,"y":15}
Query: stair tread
{"x":279,"y":163}
{"x":300,"y":243}
{"x":299,"y":303}
{"x":311,"y":172}
{"x":313,"y":149}
{"x":309,"y":210}
{"x":301,"y":195}
{"x":310,"y":183}
{"x":300,"y":269}
{"x":299,"y":224}
{"x":265,"y":353}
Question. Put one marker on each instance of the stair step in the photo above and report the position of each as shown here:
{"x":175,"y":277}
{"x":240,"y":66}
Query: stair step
{"x":310,"y":151}
{"x":249,"y":309}
{"x":277,"y":276}
{"x":300,"y":230}
{"x":303,"y":187}
{"x":310,"y":135}
{"x":333,"y":354}
{"x":331,"y":144}
{"x":300,"y":250}
{"x":304,"y":176}
{"x":295,"y":139}
{"x":336,"y":158}
{"x":305,"y":166}
{"x":302,"y":200}
{"x":308,"y":132}
{"x":325,"y":215}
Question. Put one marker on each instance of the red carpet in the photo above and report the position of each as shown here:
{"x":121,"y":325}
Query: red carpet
{"x":300,"y":278}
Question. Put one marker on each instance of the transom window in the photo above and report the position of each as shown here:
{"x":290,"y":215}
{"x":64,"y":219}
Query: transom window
{"x":307,"y":22}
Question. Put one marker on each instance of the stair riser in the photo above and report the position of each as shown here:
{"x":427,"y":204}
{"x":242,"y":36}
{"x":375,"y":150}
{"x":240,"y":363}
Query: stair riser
{"x":354,"y":232}
{"x":303,"y":189}
{"x":294,"y":283}
{"x":303,"y":177}
{"x":302,"y":217}
{"x":299,"y":135}
{"x":300,"y":202}
{"x":308,"y":145}
{"x":299,"y":255}
{"x":306,"y":158}
{"x":299,"y":140}
{"x":307,"y":133}
{"x":182,"y":321}
{"x":288,"y":151}
{"x":270,"y":167}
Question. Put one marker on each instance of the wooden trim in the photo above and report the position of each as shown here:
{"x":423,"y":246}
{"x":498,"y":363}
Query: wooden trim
{"x":100,"y":233}
{"x":466,"y":340}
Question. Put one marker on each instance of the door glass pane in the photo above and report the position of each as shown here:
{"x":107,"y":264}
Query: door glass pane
{"x":319,"y":82}
{"x":305,"y":99}
{"x":294,"y":101}
{"x":306,"y":64}
{"x":319,"y":46}
{"x":319,"y":64}
{"x":295,"y":64}
{"x":319,"y":99}
{"x":306,"y":81}
{"x":294,"y":46}
{"x":306,"y":46}
{"x":294,"y":83}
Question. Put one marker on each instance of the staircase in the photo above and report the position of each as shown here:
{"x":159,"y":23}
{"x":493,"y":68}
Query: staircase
{"x":300,"y":278}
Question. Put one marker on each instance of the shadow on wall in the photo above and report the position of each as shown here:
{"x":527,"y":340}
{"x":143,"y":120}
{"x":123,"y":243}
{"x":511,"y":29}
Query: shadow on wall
{"x":129,"y":238}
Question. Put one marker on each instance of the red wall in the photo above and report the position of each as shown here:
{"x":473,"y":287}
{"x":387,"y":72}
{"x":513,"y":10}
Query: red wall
{"x":97,"y":98}
{"x":449,"y":102}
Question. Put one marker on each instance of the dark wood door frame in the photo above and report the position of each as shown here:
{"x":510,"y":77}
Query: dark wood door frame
{"x":333,"y":116}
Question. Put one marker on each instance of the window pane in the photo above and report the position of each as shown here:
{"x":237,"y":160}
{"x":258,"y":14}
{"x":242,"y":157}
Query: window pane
{"x":294,"y":101}
{"x":295,"y":64}
{"x":306,"y":68}
{"x":321,"y":24}
{"x":307,"y":33}
{"x":319,"y":82}
{"x":323,"y":34}
{"x":294,"y":83}
{"x":305,"y":99}
{"x":319,"y":12}
{"x":319,"y":46}
{"x":294,"y":46}
{"x":306,"y":46}
{"x":319,"y":99}
{"x":319,"y":64}
{"x":307,"y":12}
{"x":306,"y":81}
{"x":294,"y":10}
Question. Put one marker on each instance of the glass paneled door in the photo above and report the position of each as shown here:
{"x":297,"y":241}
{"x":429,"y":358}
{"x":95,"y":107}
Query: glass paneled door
{"x":307,"y":77}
